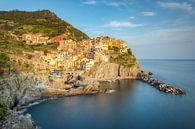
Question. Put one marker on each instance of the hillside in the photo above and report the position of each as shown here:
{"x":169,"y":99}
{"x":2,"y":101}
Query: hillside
{"x":44,"y":21}
{"x":14,"y":24}
{"x":39,"y":41}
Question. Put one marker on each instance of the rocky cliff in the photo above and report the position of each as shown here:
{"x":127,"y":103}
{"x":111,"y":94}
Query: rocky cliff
{"x":112,"y":71}
{"x":16,"y":91}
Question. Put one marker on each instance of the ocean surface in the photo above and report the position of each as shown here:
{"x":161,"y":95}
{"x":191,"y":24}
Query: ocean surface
{"x":134,"y":105}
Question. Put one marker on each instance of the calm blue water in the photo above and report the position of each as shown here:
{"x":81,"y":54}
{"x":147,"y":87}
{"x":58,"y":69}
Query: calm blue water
{"x":135,"y":105}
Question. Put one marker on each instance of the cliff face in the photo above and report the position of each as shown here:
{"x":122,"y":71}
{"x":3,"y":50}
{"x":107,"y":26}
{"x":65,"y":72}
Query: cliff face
{"x":17,"y":90}
{"x":110,"y":71}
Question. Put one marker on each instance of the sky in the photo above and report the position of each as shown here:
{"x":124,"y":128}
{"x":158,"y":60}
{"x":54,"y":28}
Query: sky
{"x":153,"y":29}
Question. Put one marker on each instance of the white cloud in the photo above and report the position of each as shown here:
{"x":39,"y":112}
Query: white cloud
{"x":148,"y":14}
{"x":131,"y":18}
{"x":115,"y":4}
{"x":124,"y":24}
{"x":90,"y":2}
{"x":112,"y":3}
{"x":176,"y":5}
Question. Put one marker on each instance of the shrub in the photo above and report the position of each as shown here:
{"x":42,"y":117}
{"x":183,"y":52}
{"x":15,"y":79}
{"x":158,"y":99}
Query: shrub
{"x":4,"y":62}
{"x":129,"y":51}
{"x":4,"y":57}
{"x":3,"y":111}
{"x":45,"y":52}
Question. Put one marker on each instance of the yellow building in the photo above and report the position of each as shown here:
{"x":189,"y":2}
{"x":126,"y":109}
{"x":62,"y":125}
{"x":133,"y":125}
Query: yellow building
{"x":104,"y":45}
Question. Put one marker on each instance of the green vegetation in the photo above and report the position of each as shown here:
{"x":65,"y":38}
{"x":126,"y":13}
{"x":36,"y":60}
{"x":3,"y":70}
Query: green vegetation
{"x":44,"y":47}
{"x":45,"y":52}
{"x":10,"y":45}
{"x":125,"y":59}
{"x":116,"y":49}
{"x":46,"y":22}
{"x":3,"y":111}
{"x":5,"y":63}
{"x":129,"y":51}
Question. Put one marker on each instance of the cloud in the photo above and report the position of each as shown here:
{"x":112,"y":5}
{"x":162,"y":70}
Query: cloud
{"x":115,"y":4}
{"x":124,"y":24}
{"x":148,"y":14}
{"x":121,"y":4}
{"x":176,"y":5}
{"x":90,"y":2}
{"x":112,"y":3}
{"x":131,"y":18}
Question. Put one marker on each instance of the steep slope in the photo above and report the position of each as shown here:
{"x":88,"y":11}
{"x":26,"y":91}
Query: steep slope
{"x":43,"y":21}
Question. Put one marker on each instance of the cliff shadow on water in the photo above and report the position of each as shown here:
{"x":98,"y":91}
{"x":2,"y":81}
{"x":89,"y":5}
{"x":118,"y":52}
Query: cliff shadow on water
{"x":119,"y":86}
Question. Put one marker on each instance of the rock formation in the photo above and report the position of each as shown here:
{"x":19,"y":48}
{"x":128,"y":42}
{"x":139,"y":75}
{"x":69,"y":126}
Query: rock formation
{"x":112,"y":71}
{"x":15,"y":92}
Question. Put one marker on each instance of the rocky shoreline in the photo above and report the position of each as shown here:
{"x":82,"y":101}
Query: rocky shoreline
{"x":161,"y":86}
{"x":78,"y":86}
{"x":15,"y":118}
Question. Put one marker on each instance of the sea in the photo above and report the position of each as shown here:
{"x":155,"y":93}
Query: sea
{"x":131,"y":105}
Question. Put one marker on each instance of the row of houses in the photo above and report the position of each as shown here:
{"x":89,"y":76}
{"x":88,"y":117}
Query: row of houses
{"x":71,"y":54}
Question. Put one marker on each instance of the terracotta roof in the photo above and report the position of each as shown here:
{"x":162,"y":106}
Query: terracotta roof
{"x":57,"y":39}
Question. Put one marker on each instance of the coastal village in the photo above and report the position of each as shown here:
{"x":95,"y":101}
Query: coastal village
{"x":72,"y":55}
{"x":71,"y":58}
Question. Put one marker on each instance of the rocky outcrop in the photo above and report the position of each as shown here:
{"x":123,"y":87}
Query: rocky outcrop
{"x":84,"y":85}
{"x":78,"y":85}
{"x":17,"y":91}
{"x":91,"y":89}
{"x":112,"y":71}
